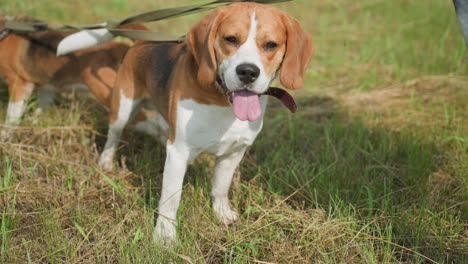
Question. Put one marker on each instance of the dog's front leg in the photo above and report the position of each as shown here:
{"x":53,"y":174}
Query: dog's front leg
{"x":224,"y":170}
{"x":19,"y":90}
{"x":177,"y":159}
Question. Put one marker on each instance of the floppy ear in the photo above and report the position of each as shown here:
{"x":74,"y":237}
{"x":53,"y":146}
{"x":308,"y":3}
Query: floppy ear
{"x":200,"y":40}
{"x":299,"y":51}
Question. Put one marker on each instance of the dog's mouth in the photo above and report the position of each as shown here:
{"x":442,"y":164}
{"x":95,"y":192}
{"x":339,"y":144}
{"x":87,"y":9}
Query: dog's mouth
{"x":245,"y":104}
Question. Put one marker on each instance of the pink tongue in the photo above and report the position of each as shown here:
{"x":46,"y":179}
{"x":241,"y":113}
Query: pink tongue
{"x":246,"y":105}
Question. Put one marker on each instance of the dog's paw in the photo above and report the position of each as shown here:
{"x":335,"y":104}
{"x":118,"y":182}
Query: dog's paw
{"x":5,"y":134}
{"x":105,"y":165}
{"x":164,"y":232}
{"x":106,"y":162}
{"x":224,"y":213}
{"x":38,"y":111}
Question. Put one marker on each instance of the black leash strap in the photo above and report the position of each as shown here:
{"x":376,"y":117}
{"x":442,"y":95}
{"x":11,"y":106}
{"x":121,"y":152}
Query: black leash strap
{"x":112,"y":25}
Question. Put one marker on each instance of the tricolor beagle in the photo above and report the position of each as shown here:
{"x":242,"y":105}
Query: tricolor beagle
{"x":28,"y":61}
{"x":206,"y":91}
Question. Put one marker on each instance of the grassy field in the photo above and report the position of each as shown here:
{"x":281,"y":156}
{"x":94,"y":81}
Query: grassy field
{"x":372,"y":169}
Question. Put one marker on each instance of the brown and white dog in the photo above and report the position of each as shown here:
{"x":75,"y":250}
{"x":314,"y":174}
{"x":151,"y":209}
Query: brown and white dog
{"x":28,"y":61}
{"x":207,"y":92}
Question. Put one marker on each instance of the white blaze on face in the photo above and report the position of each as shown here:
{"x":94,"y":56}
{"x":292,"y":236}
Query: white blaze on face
{"x":246,"y":106}
{"x":247,"y":53}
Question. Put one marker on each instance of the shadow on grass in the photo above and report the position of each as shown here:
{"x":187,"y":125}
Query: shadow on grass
{"x":324,"y":158}
{"x":327,"y":154}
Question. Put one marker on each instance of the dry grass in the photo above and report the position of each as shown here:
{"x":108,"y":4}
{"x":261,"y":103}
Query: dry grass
{"x":422,"y":99}
{"x":372,"y":169}
{"x":57,"y":188}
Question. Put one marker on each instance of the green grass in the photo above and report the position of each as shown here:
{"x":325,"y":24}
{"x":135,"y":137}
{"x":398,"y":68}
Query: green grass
{"x":372,"y":169}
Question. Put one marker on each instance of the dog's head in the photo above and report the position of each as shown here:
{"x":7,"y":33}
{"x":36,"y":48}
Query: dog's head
{"x":245,"y":45}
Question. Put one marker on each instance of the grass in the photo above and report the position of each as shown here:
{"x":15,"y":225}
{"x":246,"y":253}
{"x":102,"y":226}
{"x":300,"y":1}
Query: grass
{"x":372,"y":169}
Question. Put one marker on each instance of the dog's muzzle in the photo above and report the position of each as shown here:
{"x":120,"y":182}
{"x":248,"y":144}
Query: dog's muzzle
{"x":281,"y":94}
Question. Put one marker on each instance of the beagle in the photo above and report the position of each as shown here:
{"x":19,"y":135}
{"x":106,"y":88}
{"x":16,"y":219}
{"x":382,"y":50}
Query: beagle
{"x":28,"y":61}
{"x":207,"y":94}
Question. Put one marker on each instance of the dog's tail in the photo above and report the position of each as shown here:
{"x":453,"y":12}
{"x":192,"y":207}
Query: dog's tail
{"x":90,"y":38}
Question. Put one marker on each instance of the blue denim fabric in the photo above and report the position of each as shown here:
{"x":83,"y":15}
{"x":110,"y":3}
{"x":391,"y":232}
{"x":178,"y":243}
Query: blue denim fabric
{"x":461,"y":7}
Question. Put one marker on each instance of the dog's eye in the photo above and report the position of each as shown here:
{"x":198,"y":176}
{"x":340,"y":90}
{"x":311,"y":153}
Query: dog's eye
{"x":231,"y":40}
{"x":270,"y":45}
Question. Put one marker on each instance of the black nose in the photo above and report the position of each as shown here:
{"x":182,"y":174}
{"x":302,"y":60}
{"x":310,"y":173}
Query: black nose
{"x":247,"y":73}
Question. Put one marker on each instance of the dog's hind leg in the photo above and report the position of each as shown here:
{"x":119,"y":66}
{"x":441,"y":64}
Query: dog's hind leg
{"x":121,"y":111}
{"x":45,"y":97}
{"x":154,"y":126}
{"x":224,"y":170}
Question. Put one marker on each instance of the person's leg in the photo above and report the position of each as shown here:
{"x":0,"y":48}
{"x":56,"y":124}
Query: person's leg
{"x":461,"y":7}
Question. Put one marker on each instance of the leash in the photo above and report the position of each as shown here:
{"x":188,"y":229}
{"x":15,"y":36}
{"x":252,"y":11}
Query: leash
{"x":152,"y":16}
{"x":284,"y":97}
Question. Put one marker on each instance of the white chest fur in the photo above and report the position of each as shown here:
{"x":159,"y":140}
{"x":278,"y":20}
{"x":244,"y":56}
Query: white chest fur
{"x":213,"y":129}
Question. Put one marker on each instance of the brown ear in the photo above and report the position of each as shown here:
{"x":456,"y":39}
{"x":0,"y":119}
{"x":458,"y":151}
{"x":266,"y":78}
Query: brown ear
{"x":299,"y":51}
{"x":200,"y":40}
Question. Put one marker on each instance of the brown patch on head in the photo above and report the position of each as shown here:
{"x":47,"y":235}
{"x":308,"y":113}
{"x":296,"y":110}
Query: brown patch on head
{"x":235,"y":23}
{"x":200,"y":40}
{"x":271,"y":38}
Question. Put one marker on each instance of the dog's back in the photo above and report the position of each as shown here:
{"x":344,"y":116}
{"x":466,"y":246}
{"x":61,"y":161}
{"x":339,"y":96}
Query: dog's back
{"x":161,"y":60}
{"x":31,"y":56}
